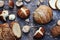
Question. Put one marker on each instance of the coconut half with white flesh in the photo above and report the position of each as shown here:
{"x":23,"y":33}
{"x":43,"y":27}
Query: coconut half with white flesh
{"x":58,"y":4}
{"x":52,"y":4}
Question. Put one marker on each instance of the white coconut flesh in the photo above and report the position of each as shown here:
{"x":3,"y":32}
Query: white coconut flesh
{"x":52,"y":3}
{"x":58,"y":4}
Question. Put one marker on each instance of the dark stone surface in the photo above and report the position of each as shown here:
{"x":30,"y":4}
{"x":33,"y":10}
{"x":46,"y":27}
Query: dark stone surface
{"x":34,"y":26}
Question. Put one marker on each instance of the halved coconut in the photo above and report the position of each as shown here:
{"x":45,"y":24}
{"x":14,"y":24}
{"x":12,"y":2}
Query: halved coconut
{"x":52,"y":4}
{"x":58,"y":4}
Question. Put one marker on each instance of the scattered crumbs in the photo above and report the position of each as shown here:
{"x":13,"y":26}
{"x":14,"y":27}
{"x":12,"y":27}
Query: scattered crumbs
{"x":27,"y":20}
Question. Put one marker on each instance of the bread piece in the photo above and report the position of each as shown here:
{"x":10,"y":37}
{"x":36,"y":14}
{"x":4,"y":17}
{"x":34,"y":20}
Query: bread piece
{"x":39,"y":33}
{"x":11,"y":3}
{"x":16,"y":29}
{"x":23,"y":12}
{"x":58,"y":4}
{"x":55,"y":31}
{"x":52,"y":4}
{"x":6,"y":33}
{"x":43,"y":14}
{"x":1,"y":32}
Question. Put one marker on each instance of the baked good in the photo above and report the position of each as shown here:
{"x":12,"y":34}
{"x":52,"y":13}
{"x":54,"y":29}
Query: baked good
{"x":55,"y":31}
{"x":12,"y":17}
{"x":6,"y":33}
{"x":26,"y":29}
{"x":43,"y":14}
{"x":11,"y":3}
{"x":23,"y":12}
{"x":39,"y":33}
{"x":16,"y":29}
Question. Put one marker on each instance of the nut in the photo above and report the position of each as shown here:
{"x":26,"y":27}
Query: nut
{"x":23,"y":12}
{"x":11,"y":3}
{"x":6,"y":33}
{"x":39,"y":33}
{"x":26,"y":29}
{"x":12,"y":17}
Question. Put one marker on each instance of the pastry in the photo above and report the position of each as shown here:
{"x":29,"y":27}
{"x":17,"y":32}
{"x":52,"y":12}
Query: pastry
{"x":43,"y":14}
{"x":23,"y":12}
{"x":6,"y":33}
{"x":39,"y":33}
{"x":55,"y":31}
{"x":11,"y":3}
